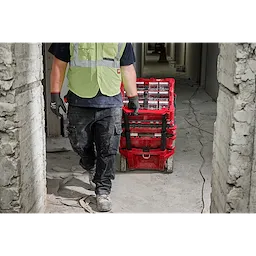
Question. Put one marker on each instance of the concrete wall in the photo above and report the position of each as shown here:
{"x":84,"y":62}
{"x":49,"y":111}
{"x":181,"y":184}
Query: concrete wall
{"x":52,"y":122}
{"x":252,"y":203}
{"x":211,"y":83}
{"x":138,"y":56}
{"x":22,"y":131}
{"x":180,"y":54}
{"x":233,"y":179}
{"x":193,"y":61}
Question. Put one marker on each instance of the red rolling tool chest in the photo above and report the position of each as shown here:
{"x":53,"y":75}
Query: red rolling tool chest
{"x":148,"y":139}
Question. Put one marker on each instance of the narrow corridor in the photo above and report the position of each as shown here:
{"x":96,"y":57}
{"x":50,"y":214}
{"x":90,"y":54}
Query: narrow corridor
{"x":186,"y":190}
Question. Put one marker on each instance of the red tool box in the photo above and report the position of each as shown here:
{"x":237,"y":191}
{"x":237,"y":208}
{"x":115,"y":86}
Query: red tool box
{"x":148,"y":139}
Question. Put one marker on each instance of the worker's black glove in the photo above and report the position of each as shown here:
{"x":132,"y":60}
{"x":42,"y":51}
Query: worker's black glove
{"x":134,"y":104}
{"x":56,"y":103}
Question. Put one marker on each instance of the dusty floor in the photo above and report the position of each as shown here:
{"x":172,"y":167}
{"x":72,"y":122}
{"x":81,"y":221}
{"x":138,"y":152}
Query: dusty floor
{"x":186,"y":190}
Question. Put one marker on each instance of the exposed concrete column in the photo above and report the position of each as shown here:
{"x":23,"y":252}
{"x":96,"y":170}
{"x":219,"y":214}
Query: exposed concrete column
{"x":168,"y":49}
{"x":145,"y":46}
{"x":172,"y":54}
{"x":22,"y":129}
{"x":138,"y":55}
{"x":179,"y":54}
{"x":203,"y":68}
{"x":233,"y":178}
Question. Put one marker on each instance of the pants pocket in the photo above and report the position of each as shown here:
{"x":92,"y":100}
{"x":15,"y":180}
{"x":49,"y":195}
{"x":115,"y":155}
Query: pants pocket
{"x":118,"y":129}
{"x":115,"y":140}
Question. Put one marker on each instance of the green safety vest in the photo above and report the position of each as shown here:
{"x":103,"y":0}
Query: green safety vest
{"x":94,"y":67}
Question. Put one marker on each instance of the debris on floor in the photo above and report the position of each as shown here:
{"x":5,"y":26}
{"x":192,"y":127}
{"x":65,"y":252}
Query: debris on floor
{"x":186,"y":190}
{"x":55,"y":145}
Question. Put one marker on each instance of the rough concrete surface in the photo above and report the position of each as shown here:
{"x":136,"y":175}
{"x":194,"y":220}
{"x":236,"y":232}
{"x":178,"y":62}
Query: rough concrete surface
{"x":186,"y":190}
{"x":22,"y":138}
{"x":233,"y":180}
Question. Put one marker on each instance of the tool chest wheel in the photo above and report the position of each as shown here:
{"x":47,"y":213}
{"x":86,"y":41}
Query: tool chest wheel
{"x":169,"y":165}
{"x":123,"y":164}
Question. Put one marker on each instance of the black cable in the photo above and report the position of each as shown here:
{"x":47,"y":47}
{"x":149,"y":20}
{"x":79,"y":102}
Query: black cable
{"x":202,"y":146}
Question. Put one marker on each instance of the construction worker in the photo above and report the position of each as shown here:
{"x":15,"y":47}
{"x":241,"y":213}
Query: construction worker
{"x":95,"y":105}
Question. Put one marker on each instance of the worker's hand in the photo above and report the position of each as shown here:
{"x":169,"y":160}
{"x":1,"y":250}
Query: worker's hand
{"x":134,"y":104}
{"x":56,"y":103}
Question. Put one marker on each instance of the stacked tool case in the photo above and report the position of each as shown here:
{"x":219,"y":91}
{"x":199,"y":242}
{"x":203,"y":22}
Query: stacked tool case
{"x":148,"y":139}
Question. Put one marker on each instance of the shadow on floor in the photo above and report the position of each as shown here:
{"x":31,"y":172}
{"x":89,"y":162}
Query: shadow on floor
{"x":184,"y":191}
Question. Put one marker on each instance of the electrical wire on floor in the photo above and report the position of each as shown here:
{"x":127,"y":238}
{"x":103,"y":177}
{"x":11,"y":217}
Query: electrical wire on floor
{"x":202,"y":146}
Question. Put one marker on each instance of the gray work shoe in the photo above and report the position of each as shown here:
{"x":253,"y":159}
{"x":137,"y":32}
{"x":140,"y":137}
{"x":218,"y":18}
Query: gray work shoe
{"x":103,"y":203}
{"x":92,"y":184}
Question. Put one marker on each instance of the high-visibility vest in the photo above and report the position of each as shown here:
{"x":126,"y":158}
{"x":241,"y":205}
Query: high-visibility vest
{"x":94,"y":67}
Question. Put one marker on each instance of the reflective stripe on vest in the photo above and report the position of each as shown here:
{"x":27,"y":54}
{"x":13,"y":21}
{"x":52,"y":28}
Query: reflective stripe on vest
{"x":75,"y":62}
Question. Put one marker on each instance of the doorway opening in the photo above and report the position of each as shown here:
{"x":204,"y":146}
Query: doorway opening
{"x":188,"y":188}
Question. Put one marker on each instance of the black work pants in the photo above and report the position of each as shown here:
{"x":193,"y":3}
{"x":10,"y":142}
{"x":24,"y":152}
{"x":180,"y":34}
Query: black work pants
{"x":94,"y":134}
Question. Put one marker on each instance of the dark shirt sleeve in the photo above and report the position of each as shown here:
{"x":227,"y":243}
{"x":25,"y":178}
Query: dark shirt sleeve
{"x":128,"y":56}
{"x":61,"y":51}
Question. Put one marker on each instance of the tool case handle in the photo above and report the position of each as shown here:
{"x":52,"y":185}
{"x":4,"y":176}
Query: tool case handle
{"x":127,"y":127}
{"x":146,"y":111}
